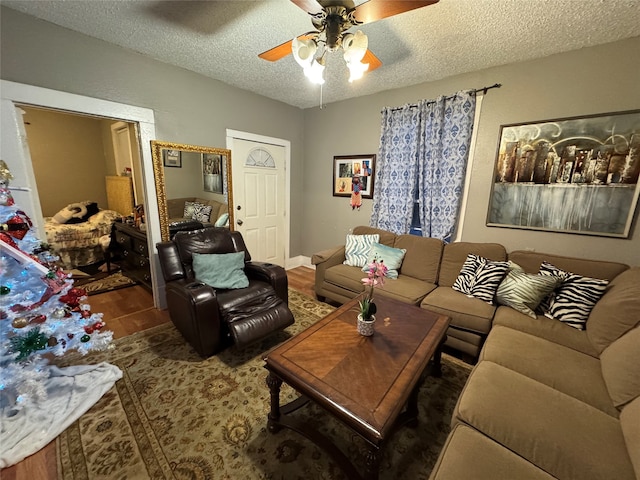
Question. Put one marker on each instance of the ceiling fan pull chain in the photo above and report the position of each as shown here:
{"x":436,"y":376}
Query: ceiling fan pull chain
{"x":321,"y":105}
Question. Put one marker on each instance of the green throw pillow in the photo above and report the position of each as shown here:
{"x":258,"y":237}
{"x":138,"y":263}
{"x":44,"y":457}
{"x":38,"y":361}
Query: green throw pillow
{"x":524,"y":292}
{"x":224,"y":270}
{"x":222,"y":220}
{"x":391,"y":257}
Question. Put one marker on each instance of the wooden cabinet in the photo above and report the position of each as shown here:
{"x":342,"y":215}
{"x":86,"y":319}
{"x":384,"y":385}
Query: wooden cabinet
{"x":129,"y":244}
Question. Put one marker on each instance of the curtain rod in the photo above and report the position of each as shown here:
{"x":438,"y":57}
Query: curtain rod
{"x":483,"y":90}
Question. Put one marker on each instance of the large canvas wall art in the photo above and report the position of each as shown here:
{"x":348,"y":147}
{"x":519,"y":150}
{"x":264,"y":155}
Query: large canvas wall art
{"x":571,"y":175}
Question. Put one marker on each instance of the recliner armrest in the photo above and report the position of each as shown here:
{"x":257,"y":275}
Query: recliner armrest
{"x":272,"y":274}
{"x":194,"y":310}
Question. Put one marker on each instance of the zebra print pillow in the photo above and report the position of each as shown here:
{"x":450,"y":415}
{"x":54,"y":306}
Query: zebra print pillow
{"x":480,"y":277}
{"x":524,"y":292}
{"x":573,"y":300}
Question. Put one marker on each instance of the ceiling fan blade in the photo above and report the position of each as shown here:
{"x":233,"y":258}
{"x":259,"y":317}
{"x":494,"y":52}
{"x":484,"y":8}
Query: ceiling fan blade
{"x":309,"y":6}
{"x":373,"y":61}
{"x":276,"y":53}
{"x":284,"y":49}
{"x":374,"y":10}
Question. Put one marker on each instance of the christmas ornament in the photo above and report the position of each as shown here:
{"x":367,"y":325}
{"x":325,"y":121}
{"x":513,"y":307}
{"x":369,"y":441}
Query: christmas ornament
{"x":20,"y":322}
{"x":37,"y":319}
{"x":4,"y":290}
{"x":17,"y":226}
{"x":85,"y":338}
{"x":52,"y":342}
{"x":59,"y":312}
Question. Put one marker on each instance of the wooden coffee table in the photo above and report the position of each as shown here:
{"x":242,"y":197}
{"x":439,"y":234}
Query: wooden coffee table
{"x":365,"y":382}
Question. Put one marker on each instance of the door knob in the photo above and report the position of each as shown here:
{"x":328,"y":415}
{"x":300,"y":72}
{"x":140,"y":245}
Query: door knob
{"x":239,"y":222}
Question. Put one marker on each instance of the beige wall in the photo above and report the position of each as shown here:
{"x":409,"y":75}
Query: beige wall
{"x":588,"y":81}
{"x":68,"y":158}
{"x":188,"y":107}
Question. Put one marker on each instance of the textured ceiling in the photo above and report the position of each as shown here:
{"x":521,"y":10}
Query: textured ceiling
{"x":222,"y":39}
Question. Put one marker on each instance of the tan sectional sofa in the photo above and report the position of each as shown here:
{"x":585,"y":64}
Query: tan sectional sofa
{"x":428,"y":271}
{"x":545,"y":400}
{"x":549,"y":401}
{"x":175,"y":208}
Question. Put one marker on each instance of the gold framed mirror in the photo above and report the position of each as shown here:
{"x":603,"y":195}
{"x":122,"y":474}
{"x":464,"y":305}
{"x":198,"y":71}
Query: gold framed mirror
{"x":190,"y":179}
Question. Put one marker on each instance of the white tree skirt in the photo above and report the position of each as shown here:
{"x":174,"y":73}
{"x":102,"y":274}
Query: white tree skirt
{"x":71,"y":391}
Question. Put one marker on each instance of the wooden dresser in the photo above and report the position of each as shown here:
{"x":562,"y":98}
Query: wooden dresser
{"x":130,"y":245}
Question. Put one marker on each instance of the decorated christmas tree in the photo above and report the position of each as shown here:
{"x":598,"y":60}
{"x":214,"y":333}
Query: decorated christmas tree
{"x":42,"y":314}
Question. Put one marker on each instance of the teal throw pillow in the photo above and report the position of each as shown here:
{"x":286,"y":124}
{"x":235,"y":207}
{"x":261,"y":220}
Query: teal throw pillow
{"x":356,"y":249}
{"x":392,"y":258}
{"x":222,"y":220}
{"x":224,"y":270}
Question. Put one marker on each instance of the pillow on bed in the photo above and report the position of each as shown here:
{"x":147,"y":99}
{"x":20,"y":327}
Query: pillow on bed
{"x":76,"y":212}
{"x":91,"y":210}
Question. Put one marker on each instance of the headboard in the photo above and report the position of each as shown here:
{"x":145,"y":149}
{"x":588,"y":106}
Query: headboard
{"x":120,"y":194}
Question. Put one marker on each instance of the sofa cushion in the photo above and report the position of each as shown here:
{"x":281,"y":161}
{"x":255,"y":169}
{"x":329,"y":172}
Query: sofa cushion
{"x":345,"y":276}
{"x":406,"y":289}
{"x":531,"y":261}
{"x":545,"y":327}
{"x":422,"y":260}
{"x":579,"y":375}
{"x":621,"y":367}
{"x":466,"y":312}
{"x":573,"y":300}
{"x":630,"y":423}
{"x":357,"y":247}
{"x":390,"y":256}
{"x":455,"y":254}
{"x":617,"y":312}
{"x":386,"y":238}
{"x":469,"y":455}
{"x":563,"y":436}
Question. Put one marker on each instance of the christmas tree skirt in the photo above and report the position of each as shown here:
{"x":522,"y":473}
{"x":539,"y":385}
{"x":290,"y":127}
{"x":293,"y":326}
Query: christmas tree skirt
{"x":26,"y":427}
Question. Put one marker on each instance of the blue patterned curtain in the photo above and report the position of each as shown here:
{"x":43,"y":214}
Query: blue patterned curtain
{"x":396,"y":169}
{"x":425,"y":147}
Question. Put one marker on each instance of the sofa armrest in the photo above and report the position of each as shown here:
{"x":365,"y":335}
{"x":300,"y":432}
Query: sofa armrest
{"x":324,"y":260}
{"x":271,"y":273}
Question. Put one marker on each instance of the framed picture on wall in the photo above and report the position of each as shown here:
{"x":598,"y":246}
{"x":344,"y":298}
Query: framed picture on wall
{"x":350,"y":170}
{"x":571,"y":175}
{"x":212,"y":172}
{"x":172,"y":158}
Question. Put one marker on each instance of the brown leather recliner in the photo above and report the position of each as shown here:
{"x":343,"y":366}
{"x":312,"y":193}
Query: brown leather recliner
{"x":212,"y":319}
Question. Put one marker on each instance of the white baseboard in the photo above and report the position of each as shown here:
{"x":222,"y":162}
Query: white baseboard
{"x":299,"y":261}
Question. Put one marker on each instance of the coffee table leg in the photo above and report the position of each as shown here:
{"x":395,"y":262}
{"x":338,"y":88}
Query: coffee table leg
{"x":436,"y":366}
{"x":372,"y":463}
{"x":274,"y":382}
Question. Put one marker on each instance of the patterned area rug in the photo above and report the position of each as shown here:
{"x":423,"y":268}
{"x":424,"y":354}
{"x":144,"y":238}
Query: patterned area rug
{"x":103,"y":282}
{"x":176,"y":416}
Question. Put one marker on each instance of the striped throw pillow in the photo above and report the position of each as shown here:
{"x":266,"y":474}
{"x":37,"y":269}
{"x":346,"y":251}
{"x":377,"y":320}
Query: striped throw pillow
{"x":575,"y":297}
{"x":524,"y":292}
{"x":480,"y":277}
{"x":356,"y":249}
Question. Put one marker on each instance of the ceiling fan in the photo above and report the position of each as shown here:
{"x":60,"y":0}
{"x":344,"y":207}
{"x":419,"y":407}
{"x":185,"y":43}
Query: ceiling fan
{"x":333,"y":20}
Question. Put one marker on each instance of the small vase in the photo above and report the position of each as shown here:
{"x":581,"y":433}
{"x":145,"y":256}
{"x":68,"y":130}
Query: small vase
{"x":365,"y":327}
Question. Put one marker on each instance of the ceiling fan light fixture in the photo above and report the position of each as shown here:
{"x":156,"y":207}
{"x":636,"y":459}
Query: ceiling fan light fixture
{"x":315,"y":71}
{"x":303,"y":51}
{"x":355,"y":46}
{"x":356,"y":70}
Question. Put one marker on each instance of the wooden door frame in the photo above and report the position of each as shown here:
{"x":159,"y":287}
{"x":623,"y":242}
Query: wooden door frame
{"x":279,"y":142}
{"x":14,"y":147}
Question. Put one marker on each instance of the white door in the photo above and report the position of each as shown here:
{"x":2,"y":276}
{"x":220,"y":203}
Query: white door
{"x":258,"y":172}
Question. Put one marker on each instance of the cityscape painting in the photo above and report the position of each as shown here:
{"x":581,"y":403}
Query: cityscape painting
{"x":571,"y":175}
